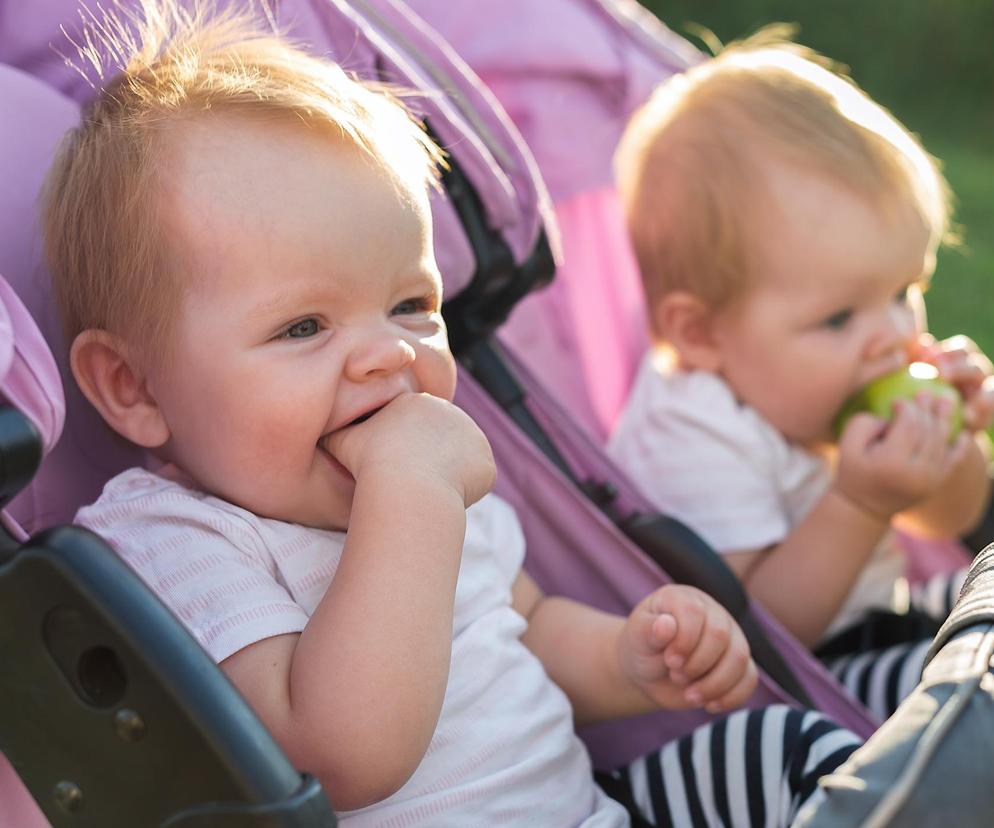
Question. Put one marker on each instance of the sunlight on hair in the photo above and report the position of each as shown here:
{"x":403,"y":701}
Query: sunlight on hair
{"x":159,"y":66}
{"x":856,"y":107}
{"x":700,"y":143}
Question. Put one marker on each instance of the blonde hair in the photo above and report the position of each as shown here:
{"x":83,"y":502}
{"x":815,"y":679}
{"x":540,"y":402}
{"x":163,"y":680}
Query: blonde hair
{"x":108,"y":261}
{"x":689,"y":163}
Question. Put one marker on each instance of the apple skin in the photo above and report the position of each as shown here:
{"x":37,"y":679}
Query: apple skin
{"x":878,"y":397}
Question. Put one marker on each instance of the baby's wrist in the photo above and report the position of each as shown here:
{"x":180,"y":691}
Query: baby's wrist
{"x":873,"y":515}
{"x":420,"y":482}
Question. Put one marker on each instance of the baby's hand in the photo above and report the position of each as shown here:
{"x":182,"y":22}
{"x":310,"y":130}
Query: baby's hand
{"x":682,"y":649}
{"x":964,"y":366}
{"x":418,"y":436}
{"x":887,"y":467}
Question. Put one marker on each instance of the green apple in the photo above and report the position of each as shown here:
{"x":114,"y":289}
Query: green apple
{"x":878,"y":397}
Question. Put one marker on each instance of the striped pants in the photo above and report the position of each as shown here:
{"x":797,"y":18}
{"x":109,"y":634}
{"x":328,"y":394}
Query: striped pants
{"x":754,"y":768}
{"x":882,"y":678}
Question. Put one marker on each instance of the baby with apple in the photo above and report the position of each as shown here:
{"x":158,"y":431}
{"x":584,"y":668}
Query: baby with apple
{"x":786,"y":227}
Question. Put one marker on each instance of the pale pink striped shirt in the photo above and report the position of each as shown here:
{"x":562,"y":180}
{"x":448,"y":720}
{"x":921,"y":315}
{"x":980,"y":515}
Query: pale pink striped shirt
{"x":504,"y":751}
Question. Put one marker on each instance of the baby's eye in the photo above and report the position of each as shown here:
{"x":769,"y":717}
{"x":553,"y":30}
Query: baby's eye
{"x":837,"y":321}
{"x":301,"y":330}
{"x":421,"y":304}
{"x":901,"y":297}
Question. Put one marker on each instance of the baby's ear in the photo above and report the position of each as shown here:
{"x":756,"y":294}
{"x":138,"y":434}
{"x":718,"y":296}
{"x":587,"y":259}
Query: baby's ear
{"x":106,"y":373}
{"x":686,"y":322}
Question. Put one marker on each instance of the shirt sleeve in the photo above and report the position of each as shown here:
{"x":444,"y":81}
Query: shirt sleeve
{"x":704,"y":459}
{"x":493,"y":523}
{"x":208,"y":565}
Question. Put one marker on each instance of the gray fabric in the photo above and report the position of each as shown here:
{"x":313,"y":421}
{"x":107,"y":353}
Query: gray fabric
{"x":932,"y":762}
{"x":975,"y":604}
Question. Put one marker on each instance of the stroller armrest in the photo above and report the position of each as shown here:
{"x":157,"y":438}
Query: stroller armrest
{"x":689,"y":560}
{"x":114,"y":715}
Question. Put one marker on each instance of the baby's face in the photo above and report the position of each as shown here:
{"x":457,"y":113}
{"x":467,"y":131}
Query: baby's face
{"x":836,"y":302}
{"x":313,"y":299}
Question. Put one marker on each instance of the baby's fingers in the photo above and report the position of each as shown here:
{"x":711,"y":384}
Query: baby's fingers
{"x":690,"y":616}
{"x":730,"y":681}
{"x":738,"y":695}
{"x":978,"y":410}
{"x":715,"y":639}
{"x":961,"y":362}
{"x":344,"y":446}
{"x":653,"y":628}
{"x":936,"y":418}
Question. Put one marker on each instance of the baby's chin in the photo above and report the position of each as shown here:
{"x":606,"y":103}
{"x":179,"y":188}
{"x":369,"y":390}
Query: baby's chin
{"x":818,"y":443}
{"x":324,"y":522}
{"x":333,"y":519}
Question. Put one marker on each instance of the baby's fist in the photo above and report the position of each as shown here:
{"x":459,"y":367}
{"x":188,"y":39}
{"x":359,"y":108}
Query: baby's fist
{"x":684,"y":650}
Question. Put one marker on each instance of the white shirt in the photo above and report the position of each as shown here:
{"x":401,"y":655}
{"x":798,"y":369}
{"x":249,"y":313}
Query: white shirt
{"x":701,"y":456}
{"x":504,"y":751}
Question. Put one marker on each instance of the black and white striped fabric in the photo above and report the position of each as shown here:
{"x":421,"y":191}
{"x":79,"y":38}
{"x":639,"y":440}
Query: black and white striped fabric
{"x":882,"y":678}
{"x":754,"y":768}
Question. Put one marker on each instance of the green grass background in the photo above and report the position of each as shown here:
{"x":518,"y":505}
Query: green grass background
{"x":931,"y":62}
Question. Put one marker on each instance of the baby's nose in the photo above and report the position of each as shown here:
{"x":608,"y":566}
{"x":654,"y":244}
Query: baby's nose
{"x":895,"y":331}
{"x":379,"y":355}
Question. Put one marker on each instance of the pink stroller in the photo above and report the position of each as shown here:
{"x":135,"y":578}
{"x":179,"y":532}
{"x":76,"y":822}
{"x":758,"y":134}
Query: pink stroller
{"x":492,"y":240}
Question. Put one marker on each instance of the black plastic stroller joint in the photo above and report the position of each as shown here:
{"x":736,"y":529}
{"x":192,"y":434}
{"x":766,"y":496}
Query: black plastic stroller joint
{"x":498,"y":282}
{"x":20,"y":456}
{"x":104,"y":669}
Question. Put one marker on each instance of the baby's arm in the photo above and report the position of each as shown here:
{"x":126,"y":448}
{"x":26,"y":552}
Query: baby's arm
{"x":355,"y":698}
{"x":678,"y":649}
{"x":883,"y":469}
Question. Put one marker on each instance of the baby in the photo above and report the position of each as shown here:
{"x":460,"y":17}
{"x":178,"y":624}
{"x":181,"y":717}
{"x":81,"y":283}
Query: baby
{"x":786,"y":227}
{"x":241,"y":241}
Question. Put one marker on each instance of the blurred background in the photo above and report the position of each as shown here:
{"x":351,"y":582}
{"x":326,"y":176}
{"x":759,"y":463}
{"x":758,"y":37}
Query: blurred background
{"x":931,"y":62}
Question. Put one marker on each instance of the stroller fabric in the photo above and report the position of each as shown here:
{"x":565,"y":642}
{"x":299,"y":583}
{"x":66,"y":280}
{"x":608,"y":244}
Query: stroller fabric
{"x":32,"y":119}
{"x":563,"y":69}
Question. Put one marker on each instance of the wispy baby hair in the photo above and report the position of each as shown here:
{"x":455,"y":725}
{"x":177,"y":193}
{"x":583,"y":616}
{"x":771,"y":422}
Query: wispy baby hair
{"x":690,"y":164}
{"x":110,"y":265}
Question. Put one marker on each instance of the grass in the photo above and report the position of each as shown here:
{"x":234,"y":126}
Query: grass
{"x":961,"y":299}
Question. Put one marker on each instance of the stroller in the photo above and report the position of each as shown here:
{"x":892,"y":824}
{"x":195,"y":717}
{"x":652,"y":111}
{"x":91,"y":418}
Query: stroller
{"x":493,"y":238}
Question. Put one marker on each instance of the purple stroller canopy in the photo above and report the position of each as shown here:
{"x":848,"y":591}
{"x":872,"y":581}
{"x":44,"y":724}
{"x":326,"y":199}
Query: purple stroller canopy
{"x":564,"y":69}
